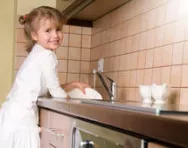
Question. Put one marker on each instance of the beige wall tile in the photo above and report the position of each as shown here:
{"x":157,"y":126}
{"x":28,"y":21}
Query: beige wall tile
{"x":179,"y":31}
{"x":66,"y":28}
{"x":62,"y":78}
{"x":86,"y":30}
{"x":62,"y":53}
{"x":184,"y":96}
{"x":177,"y":54}
{"x":161,"y":15}
{"x":184,"y":79}
{"x":84,"y":67}
{"x":75,"y":29}
{"x":73,"y":77}
{"x":21,"y":49}
{"x":133,"y":78}
{"x":148,"y":76}
{"x":65,"y":39}
{"x":75,"y":40}
{"x":84,"y":78}
{"x":74,"y":66}
{"x":141,"y":59}
{"x":169,"y":33}
{"x":185,"y":53}
{"x":20,"y":36}
{"x":157,"y":60}
{"x":159,"y":36}
{"x":175,"y":80}
{"x":156,"y":76}
{"x":62,"y":66}
{"x":74,"y":53}
{"x":86,"y":41}
{"x":149,"y":58}
{"x":165,"y":75}
{"x":143,"y":41}
{"x":85,"y":54}
{"x":140,"y":77}
{"x":167,"y":55}
{"x":151,"y":39}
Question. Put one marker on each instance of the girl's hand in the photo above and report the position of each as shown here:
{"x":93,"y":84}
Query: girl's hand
{"x":72,"y":85}
{"x":81,"y":86}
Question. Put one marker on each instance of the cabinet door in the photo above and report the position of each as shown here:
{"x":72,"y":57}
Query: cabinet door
{"x":65,"y":123}
{"x":53,"y":123}
{"x":52,"y":138}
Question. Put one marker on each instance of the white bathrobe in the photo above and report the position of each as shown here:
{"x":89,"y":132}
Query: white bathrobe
{"x":18,"y":115}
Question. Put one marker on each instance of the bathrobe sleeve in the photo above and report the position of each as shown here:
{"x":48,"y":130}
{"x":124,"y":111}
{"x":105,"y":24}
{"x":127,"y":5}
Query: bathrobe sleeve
{"x":49,"y":63}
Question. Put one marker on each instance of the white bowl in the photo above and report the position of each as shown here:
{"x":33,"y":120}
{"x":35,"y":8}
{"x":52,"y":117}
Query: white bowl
{"x":159,"y":93}
{"x":145,"y":92}
{"x":89,"y":94}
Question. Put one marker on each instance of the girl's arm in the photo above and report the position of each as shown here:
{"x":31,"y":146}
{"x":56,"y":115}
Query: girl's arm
{"x":72,"y":85}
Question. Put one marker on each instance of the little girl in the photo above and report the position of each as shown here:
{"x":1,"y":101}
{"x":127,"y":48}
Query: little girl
{"x":37,"y":76}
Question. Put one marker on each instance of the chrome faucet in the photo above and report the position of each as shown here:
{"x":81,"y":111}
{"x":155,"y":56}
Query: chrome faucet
{"x":111,"y":90}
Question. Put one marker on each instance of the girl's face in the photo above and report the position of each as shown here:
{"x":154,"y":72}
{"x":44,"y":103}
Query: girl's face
{"x":48,"y":35}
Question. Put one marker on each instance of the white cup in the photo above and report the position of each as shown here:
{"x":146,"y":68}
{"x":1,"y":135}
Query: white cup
{"x":145,"y":92}
{"x":159,"y":93}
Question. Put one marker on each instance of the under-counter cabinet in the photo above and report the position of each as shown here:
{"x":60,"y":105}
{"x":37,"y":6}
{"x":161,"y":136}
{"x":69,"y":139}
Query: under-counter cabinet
{"x":55,"y":129}
{"x":61,"y":131}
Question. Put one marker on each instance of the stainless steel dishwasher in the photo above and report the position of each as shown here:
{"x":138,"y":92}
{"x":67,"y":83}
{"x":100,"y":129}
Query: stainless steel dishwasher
{"x":88,"y":135}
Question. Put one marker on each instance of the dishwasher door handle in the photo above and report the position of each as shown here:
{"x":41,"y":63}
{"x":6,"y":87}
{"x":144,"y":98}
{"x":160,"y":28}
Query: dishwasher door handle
{"x":87,"y":144}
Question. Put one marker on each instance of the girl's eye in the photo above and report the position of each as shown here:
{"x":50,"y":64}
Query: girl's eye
{"x":47,"y":30}
{"x":59,"y":29}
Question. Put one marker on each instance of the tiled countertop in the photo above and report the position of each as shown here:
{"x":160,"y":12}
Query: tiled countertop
{"x":170,"y":129}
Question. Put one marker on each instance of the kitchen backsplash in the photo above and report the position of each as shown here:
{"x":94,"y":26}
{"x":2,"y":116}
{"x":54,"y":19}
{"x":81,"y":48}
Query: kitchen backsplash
{"x":142,"y":42}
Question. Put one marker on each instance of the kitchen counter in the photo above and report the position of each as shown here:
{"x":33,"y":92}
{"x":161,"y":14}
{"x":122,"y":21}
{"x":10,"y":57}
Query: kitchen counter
{"x":168,"y":129}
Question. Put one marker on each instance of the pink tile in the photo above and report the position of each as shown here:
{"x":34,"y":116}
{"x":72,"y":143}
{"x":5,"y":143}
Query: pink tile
{"x":74,"y":53}
{"x":185,"y":53}
{"x":62,"y":78}
{"x":149,"y":58}
{"x":157,"y":61}
{"x":141,"y":59}
{"x":75,"y":29}
{"x":140,"y":77}
{"x":133,"y":78}
{"x":176,"y":76}
{"x":62,"y":66}
{"x":156,"y":76}
{"x":184,"y":96}
{"x":75,"y":40}
{"x":165,"y":75}
{"x":86,"y":41}
{"x":159,"y":36}
{"x":167,"y":55}
{"x":177,"y":54}
{"x":62,"y":53}
{"x":169,"y":33}
{"x":184,"y":79}
{"x":148,"y":76}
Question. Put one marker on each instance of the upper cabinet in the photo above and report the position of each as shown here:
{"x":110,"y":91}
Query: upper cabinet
{"x":89,"y":10}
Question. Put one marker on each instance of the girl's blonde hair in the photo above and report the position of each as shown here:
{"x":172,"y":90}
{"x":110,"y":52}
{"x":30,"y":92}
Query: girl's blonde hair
{"x":31,"y":21}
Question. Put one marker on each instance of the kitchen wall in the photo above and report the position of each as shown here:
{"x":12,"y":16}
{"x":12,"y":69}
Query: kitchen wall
{"x":144,"y":42}
{"x":73,"y":55}
{"x":7,"y":41}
